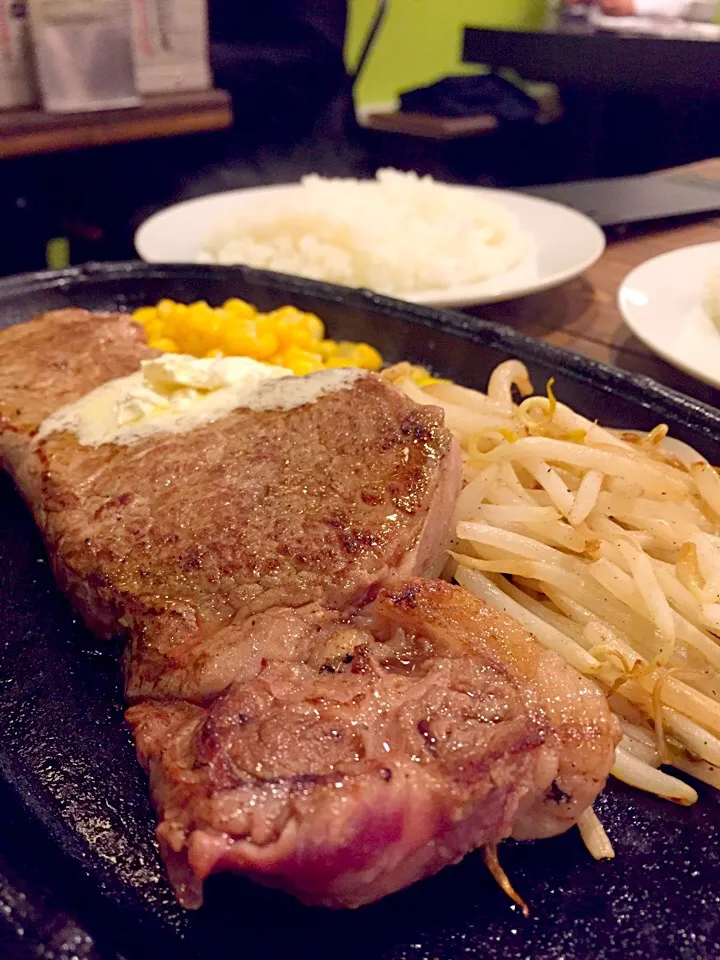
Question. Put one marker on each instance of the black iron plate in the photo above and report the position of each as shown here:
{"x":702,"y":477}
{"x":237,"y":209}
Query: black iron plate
{"x":67,"y":760}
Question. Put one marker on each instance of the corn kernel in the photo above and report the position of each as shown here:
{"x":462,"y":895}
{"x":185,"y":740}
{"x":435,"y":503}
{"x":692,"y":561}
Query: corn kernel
{"x":200,"y":309}
{"x":301,"y":367}
{"x":154,"y":329}
{"x":333,"y":362}
{"x":289,"y":332}
{"x":165,"y":308}
{"x":301,"y":361}
{"x":284,"y":313}
{"x":422,"y":377}
{"x":314,"y":326}
{"x":145,"y":314}
{"x":367,"y":357}
{"x":178,"y":317}
{"x":327,"y":349}
{"x":267,"y":344}
{"x":215,"y":352}
{"x":165,"y":344}
{"x":239,"y":342}
{"x":239,"y":307}
{"x":345,"y":348}
{"x":212,"y":329}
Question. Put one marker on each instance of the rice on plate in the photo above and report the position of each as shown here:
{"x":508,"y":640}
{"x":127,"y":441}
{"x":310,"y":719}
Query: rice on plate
{"x":397,"y":234}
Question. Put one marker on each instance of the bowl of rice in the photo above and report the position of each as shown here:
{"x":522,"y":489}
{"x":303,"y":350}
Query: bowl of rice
{"x":398,"y":234}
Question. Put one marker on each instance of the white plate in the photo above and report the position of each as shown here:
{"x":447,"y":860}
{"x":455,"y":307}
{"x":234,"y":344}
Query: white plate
{"x":661,"y":301}
{"x":565,"y":242}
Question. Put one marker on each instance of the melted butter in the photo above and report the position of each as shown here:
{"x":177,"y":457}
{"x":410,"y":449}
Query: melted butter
{"x":175,"y":393}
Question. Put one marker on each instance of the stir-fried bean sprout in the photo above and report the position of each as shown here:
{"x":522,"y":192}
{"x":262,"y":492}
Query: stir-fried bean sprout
{"x":605,"y":546}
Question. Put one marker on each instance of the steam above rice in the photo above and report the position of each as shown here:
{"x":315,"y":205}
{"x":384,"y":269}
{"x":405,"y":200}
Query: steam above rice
{"x":397,"y":234}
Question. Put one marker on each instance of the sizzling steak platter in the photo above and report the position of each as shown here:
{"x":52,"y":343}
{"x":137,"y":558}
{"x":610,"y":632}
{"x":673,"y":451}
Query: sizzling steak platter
{"x":311,"y":709}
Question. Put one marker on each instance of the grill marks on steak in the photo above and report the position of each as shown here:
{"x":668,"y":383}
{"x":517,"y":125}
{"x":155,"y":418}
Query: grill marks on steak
{"x":434,"y":737}
{"x":308,"y":713}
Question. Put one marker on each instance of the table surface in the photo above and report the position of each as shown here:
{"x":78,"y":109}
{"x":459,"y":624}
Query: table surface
{"x":30,"y":130}
{"x":583,"y":315}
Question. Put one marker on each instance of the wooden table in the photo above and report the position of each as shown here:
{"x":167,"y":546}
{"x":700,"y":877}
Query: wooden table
{"x":30,"y":130}
{"x":583,"y":315}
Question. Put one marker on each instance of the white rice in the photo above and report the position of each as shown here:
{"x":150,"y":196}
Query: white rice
{"x":397,"y":234}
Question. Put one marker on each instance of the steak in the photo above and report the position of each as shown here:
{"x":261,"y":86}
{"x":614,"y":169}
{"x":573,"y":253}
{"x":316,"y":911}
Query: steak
{"x":310,"y":713}
{"x":448,"y":727}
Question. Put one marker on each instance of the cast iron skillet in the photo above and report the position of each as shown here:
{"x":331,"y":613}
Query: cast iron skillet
{"x":66,"y":757}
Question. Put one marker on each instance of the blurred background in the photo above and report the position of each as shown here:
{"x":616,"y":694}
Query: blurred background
{"x":104,"y":122}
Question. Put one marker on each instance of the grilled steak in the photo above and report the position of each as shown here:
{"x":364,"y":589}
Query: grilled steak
{"x":310,"y":714}
{"x":446,"y":728}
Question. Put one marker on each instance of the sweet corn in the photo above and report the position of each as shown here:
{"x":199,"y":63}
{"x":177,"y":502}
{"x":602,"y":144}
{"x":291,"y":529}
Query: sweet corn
{"x":145,"y":315}
{"x":301,"y":361}
{"x":165,"y":344}
{"x":165,"y":308}
{"x":367,"y":357}
{"x":239,"y":308}
{"x":287,"y":336}
{"x":423,"y":378}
